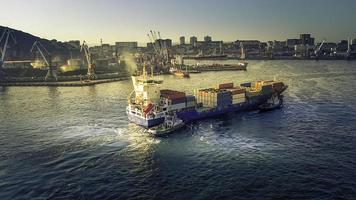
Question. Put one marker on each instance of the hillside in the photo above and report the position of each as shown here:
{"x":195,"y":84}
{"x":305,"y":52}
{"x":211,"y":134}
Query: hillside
{"x":21,"y":49}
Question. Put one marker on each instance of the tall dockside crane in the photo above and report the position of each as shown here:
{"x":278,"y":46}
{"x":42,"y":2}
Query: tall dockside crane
{"x":37,"y":47}
{"x":91,"y":66}
{"x":5,"y":36}
{"x":163,"y":47}
{"x":348,"y":53}
{"x":161,"y":56}
{"x":317,"y":51}
{"x":242,"y":54}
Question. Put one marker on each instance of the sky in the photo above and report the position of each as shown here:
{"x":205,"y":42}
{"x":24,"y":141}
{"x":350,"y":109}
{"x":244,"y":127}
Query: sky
{"x":227,"y":20}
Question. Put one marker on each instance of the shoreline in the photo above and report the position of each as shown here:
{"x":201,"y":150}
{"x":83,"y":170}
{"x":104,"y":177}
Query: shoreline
{"x":61,"y":83}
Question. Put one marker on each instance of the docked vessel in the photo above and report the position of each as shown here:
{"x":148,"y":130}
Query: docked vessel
{"x":148,"y":104}
{"x":180,"y":73}
{"x":206,"y":57}
{"x":242,"y":64}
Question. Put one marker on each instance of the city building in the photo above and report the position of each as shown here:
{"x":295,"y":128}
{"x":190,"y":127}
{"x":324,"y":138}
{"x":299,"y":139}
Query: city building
{"x":193,"y":41}
{"x":249,"y":44}
{"x":126,"y":45}
{"x":182,"y":40}
{"x":292,"y":42}
{"x":73,"y":44}
{"x":207,"y":39}
{"x":342,"y":46}
{"x":166,"y":42}
{"x":306,"y":39}
{"x":353,"y":41}
{"x":279,"y":44}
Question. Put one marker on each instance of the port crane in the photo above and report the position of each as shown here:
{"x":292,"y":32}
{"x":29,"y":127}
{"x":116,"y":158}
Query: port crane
{"x":317,"y":51}
{"x":7,"y":33}
{"x":243,"y":55}
{"x":37,"y":47}
{"x":348,"y":53}
{"x":88,"y":56}
{"x":161,"y":56}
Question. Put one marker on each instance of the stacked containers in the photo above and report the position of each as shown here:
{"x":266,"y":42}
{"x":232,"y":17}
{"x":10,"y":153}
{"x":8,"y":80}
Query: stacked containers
{"x":246,"y":84}
{"x":190,"y":101}
{"x":224,"y":98}
{"x":226,"y":85}
{"x":176,"y":99}
{"x":212,"y":97}
{"x":238,"y":95}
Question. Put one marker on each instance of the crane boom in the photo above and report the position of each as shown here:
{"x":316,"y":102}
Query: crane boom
{"x":37,"y":46}
{"x":7,"y":34}
{"x":91,"y":66}
{"x":317,"y":51}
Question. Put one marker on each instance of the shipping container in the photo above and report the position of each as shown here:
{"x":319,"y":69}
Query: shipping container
{"x":238,"y":100}
{"x":226,"y":85}
{"x":171,"y":94}
{"x":190,"y":98}
{"x":238,"y":91}
{"x":176,"y":100}
{"x":267,"y":88}
{"x":245,"y":84}
{"x":191,"y":104}
{"x":177,"y":106}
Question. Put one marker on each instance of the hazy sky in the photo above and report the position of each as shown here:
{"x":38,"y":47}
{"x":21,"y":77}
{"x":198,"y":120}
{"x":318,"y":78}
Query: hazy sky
{"x":228,"y":20}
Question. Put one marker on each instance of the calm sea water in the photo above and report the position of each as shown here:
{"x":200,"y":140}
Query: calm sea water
{"x":76,"y":143}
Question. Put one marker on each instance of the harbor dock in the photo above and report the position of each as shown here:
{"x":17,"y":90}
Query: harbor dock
{"x":64,"y":83}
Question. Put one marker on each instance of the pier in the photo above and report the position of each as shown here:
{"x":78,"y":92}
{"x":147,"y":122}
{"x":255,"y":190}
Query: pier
{"x":64,"y":83}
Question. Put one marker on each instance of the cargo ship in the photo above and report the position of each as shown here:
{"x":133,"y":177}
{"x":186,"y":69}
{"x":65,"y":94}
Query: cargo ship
{"x":148,"y":104}
{"x":206,"y":57}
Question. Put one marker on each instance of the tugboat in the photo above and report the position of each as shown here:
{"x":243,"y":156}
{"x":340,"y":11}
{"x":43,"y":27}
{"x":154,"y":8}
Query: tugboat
{"x":243,"y":64}
{"x":180,"y":73}
{"x":275,"y":102}
{"x":171,"y":123}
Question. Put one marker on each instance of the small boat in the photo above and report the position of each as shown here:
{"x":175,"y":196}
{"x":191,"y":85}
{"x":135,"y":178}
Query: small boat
{"x":170,"y":124}
{"x":242,"y":64}
{"x":273,"y":103}
{"x":181,"y":74}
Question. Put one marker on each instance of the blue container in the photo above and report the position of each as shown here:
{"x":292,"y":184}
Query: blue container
{"x":178,"y":100}
{"x":267,"y":89}
{"x":190,"y":98}
{"x":246,"y":84}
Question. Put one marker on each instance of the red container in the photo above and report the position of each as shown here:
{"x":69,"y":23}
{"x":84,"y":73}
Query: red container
{"x":238,"y":91}
{"x":148,"y":108}
{"x":172,"y":94}
{"x":226,"y":85}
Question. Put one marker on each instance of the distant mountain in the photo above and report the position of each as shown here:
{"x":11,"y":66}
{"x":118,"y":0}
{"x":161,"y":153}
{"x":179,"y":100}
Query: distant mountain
{"x":24,"y":41}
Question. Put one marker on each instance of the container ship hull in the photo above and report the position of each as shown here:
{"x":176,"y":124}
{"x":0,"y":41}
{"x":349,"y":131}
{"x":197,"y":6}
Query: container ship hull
{"x":149,"y":105}
{"x":190,"y":115}
{"x":144,"y":121}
